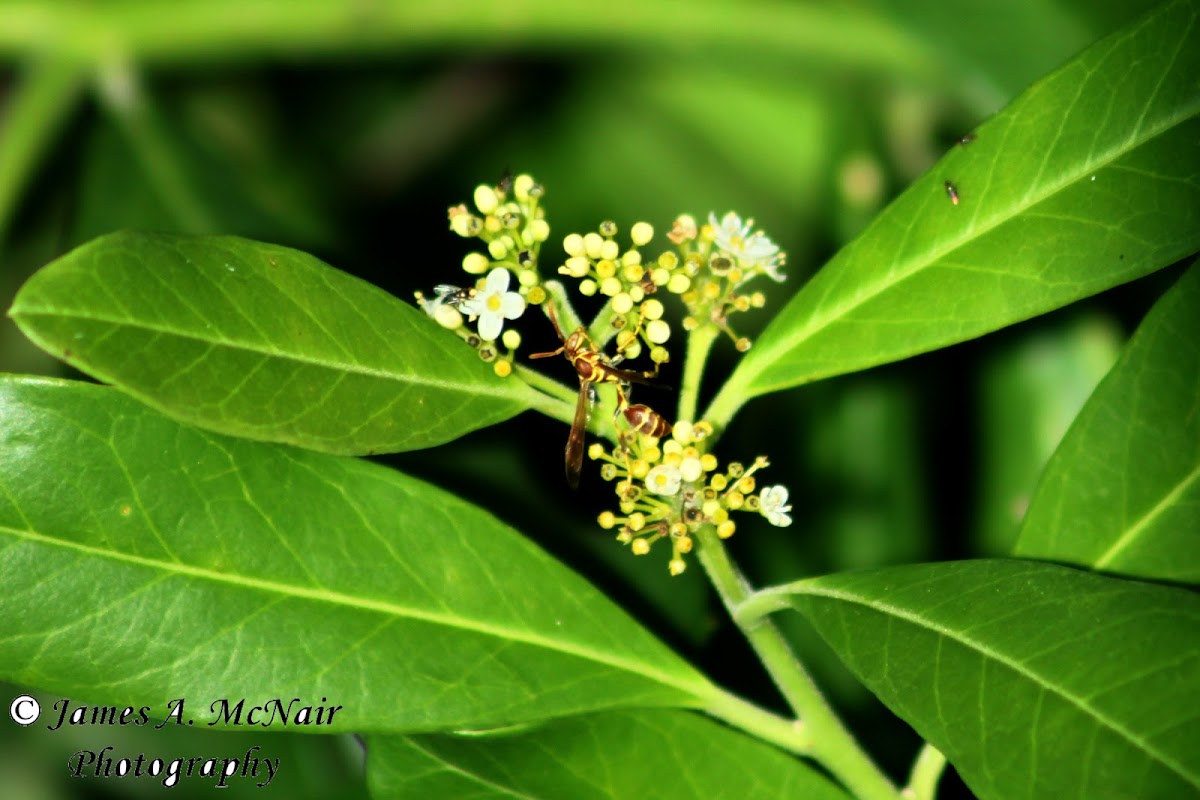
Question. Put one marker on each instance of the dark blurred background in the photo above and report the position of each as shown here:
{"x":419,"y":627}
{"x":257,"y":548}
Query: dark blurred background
{"x":348,"y":129}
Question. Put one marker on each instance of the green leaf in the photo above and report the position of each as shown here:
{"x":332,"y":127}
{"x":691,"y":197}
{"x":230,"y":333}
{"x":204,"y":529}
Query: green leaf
{"x":1035,"y":680}
{"x":262,"y":341}
{"x":146,"y":560}
{"x":1122,"y":492}
{"x":1030,"y":390}
{"x":665,"y":754}
{"x":1086,"y":181}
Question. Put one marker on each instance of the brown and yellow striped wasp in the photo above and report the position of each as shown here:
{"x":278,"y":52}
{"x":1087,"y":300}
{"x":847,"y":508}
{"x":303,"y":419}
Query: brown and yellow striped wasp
{"x":593,"y":367}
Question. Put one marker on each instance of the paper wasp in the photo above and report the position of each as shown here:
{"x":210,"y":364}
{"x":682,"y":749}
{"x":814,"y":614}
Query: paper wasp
{"x":645,"y":420}
{"x":593,"y":367}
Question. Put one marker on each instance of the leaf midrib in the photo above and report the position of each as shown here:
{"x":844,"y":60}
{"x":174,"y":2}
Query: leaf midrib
{"x":1161,"y":507}
{"x":363,"y":604}
{"x":416,"y":379}
{"x":1016,"y":666}
{"x":823,"y":317}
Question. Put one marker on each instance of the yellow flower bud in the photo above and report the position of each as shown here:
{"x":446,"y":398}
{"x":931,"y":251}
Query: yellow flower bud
{"x":511,"y":338}
{"x":640,"y":547}
{"x":684,"y":544}
{"x":606,"y":519}
{"x":726,"y":529}
{"x":527,"y":278}
{"x":503,"y":368}
{"x":641,"y":233}
{"x":610,"y":250}
{"x":595,"y":451}
{"x":708,"y":461}
{"x":632,"y":273}
{"x":485,"y":199}
{"x":522,"y":185}
{"x":660,"y":276}
{"x":742,"y":344}
{"x":610,"y":286}
{"x":682,"y":432}
{"x":677,"y":566}
{"x":658,"y":331}
{"x":637,"y":521}
{"x":587,"y":288}
{"x":668,"y":261}
{"x":573,"y":244}
{"x":498,"y":249}
{"x":448,"y":317}
{"x":475,"y":263}
{"x":652,"y":309}
{"x":660,"y":355}
{"x":637,"y":293}
{"x":538,"y":230}
{"x":719,"y":482}
{"x":605,"y":268}
{"x":536,"y":296}
{"x":577,"y":266}
{"x":622,"y":303}
{"x":679,"y":283}
{"x":592,"y":244}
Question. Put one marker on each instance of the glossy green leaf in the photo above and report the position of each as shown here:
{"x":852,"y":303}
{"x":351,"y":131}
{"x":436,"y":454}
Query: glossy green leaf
{"x":146,"y":560}
{"x":661,"y":754}
{"x":1122,"y":493}
{"x":1030,"y":391}
{"x":1088,"y":180}
{"x":261,"y":341}
{"x":1035,"y":680}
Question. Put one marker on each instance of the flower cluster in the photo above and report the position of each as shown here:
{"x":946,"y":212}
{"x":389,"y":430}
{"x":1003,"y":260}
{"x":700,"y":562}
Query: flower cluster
{"x":723,"y":256}
{"x":669,"y":488}
{"x":667,"y":483}
{"x":513,"y":230}
{"x":596,"y":260}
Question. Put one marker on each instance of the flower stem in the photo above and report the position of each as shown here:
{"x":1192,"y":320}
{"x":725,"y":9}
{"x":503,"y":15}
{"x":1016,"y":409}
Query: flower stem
{"x":831,"y":743}
{"x":699,"y":343}
{"x":926,"y":771}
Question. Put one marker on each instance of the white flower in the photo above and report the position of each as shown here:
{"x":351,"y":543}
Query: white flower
{"x":494,"y":304}
{"x":732,"y":236}
{"x":772,"y":505}
{"x":663,"y":479}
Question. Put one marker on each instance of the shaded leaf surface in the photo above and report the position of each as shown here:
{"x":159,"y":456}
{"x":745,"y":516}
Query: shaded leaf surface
{"x":261,"y":341}
{"x":1035,"y":680}
{"x":145,"y":560}
{"x":662,"y":754}
{"x":1089,"y":179}
{"x":1122,"y":492}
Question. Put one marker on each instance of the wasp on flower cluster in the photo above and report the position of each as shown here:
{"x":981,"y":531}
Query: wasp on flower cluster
{"x":593,"y":367}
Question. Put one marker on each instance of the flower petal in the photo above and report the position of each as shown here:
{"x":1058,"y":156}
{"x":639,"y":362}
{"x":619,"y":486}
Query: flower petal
{"x":497,"y":281}
{"x":512,"y":305}
{"x":490,"y":326}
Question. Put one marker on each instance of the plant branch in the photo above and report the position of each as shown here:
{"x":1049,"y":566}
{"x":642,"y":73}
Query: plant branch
{"x":926,"y":772}
{"x":224,"y":31}
{"x":31,"y":119}
{"x":832,"y":744}
{"x":787,"y":734}
{"x":121,"y":92}
{"x":699,"y":344}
